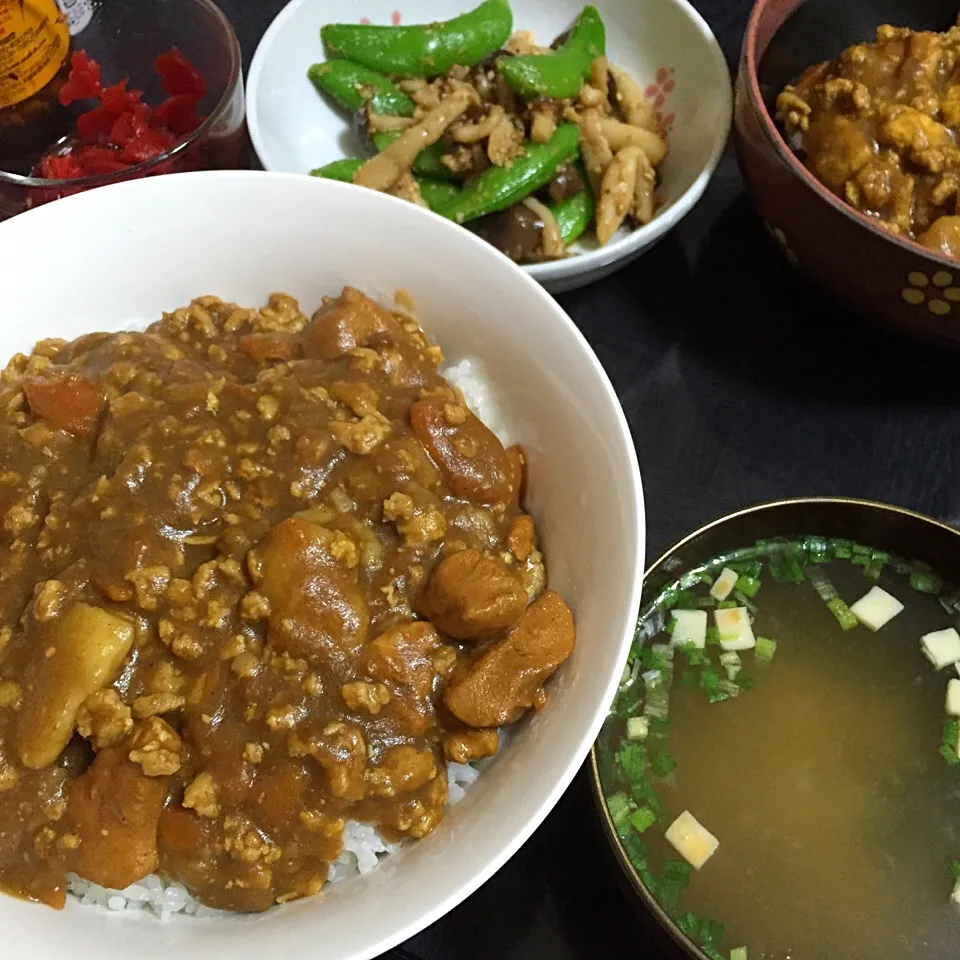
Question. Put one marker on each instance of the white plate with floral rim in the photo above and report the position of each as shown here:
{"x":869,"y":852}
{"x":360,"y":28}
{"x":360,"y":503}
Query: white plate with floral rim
{"x":665,"y":45}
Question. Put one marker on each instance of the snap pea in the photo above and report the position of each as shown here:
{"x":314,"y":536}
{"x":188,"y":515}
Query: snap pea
{"x":500,"y":187}
{"x":352,"y":85}
{"x":341,"y":170}
{"x":573,"y":215}
{"x":425,"y":50}
{"x":559,"y":74}
{"x":437,"y":193}
{"x":428,"y":162}
{"x":434,"y":192}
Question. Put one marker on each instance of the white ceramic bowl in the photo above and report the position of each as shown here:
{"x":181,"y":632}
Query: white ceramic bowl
{"x":664,"y":44}
{"x":158,"y":242}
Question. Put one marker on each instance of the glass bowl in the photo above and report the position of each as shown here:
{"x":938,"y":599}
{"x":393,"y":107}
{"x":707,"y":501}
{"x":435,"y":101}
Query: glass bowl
{"x":124,"y":37}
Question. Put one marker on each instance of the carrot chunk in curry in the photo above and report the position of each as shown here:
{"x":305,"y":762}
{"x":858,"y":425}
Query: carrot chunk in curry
{"x":263,"y":574}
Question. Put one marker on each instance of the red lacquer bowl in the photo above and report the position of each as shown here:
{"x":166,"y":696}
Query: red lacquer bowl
{"x":888,"y":280}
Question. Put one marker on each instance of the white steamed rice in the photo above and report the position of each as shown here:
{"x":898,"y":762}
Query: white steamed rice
{"x":363,"y":847}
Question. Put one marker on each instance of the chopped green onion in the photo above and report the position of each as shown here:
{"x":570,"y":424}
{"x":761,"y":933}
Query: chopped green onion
{"x":709,"y":679}
{"x":822,"y":584}
{"x":695,"y":656}
{"x":670,"y":625}
{"x":727,"y":604}
{"x":817,"y":549}
{"x":747,"y":568}
{"x":924,"y":582}
{"x":845,"y":616}
{"x":950,"y":755}
{"x":693,"y":577}
{"x":713,"y":636}
{"x":636,"y":850}
{"x":955,"y":869}
{"x":642,"y":819}
{"x":662,"y":763}
{"x":738,"y":953}
{"x":842,"y":549}
{"x":711,"y":933}
{"x":713,"y":954}
{"x":948,"y":742}
{"x":743,"y":681}
{"x":765,"y":649}
{"x":637,"y":728}
{"x":745,"y":601}
{"x":860,"y":549}
{"x":949,"y":604}
{"x":620,"y":808}
{"x":653,"y":660}
{"x":875,"y":567}
{"x":632,"y":759}
{"x":748,"y":585}
{"x":785,"y":569}
{"x":730,"y":688}
{"x":677,"y":871}
{"x":688,"y":924}
{"x":707,"y":601}
{"x":684,"y":600}
{"x":658,"y":727}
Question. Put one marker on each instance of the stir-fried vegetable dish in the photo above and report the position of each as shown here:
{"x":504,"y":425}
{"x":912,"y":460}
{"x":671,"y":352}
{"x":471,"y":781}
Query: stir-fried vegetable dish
{"x":530,"y":146}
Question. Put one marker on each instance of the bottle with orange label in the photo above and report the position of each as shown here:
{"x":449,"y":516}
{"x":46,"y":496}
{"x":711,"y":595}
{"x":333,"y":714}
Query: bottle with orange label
{"x":34,"y":62}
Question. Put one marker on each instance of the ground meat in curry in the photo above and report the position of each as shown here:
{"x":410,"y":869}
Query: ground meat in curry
{"x":879,"y":127}
{"x":259,"y":574}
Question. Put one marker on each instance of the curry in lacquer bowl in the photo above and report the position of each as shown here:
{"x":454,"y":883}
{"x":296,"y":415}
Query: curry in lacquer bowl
{"x":878,"y":127}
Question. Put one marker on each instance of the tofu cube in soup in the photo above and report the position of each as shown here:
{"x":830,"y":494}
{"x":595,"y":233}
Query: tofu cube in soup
{"x":953,"y":697}
{"x":691,"y":840}
{"x":690,"y":626}
{"x":942,"y":647}
{"x":724,"y":584}
{"x":733,"y":625}
{"x":876,"y":608}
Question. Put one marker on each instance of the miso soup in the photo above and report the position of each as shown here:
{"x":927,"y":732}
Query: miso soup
{"x":810,"y":759}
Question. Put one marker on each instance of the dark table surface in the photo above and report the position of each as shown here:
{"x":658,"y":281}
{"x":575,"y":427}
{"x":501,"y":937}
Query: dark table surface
{"x":741,"y":384}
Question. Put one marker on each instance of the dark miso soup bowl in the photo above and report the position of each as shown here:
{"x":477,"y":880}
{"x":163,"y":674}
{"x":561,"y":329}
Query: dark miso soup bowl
{"x":887,"y":279}
{"x":895,"y":529}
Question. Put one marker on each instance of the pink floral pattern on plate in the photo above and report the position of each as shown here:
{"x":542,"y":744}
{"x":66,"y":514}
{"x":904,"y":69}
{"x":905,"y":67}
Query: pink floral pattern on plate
{"x":658,"y":91}
{"x":394,"y":19}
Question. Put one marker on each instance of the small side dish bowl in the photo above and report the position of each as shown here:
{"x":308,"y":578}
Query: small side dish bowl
{"x":663,"y":44}
{"x":125,"y":38}
{"x":894,"y":532}
{"x":240,"y":235}
{"x":886,"y":278}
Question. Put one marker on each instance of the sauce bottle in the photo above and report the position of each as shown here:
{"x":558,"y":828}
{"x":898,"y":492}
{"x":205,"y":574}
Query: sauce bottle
{"x":34,"y":63}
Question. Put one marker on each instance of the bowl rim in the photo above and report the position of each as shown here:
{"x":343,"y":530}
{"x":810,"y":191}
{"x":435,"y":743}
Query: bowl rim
{"x":133,"y":171}
{"x":664,"y":920}
{"x":575,"y":265}
{"x":748,"y":68}
{"x":84,"y":203}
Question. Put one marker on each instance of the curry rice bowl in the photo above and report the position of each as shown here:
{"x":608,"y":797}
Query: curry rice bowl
{"x":363,"y":847}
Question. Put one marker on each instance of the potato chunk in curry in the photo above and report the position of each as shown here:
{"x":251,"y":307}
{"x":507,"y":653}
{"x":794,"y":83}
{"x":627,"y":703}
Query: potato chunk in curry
{"x":263,"y":575}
